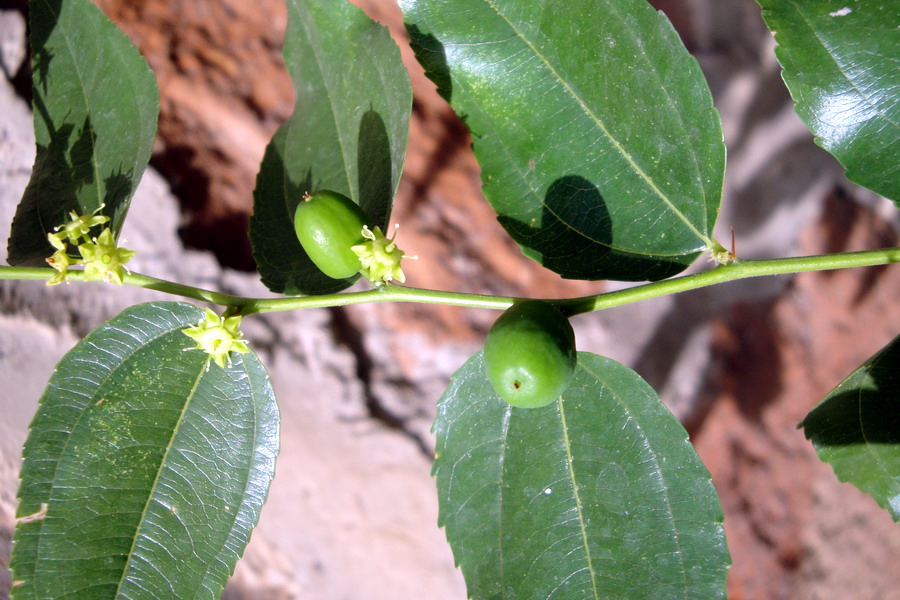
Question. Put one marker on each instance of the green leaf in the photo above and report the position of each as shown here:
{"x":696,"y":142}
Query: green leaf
{"x":347,"y":134}
{"x":599,"y":146}
{"x":599,"y":495}
{"x":840,"y":65}
{"x":95,"y":109}
{"x":144,"y":470}
{"x":856,"y":428}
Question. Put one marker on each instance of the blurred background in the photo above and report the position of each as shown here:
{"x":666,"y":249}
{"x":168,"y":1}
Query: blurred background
{"x":352,"y":513}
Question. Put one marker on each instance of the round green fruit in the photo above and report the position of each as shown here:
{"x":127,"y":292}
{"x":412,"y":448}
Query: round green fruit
{"x":328,"y":224}
{"x":529,"y":354}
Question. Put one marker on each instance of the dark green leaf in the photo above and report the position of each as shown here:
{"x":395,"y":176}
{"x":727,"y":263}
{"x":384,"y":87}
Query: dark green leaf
{"x":598,"y":495}
{"x":348,"y":134}
{"x":151,"y":467}
{"x":95,"y":109}
{"x":840,"y":64}
{"x":856,"y":428}
{"x":594,"y":128}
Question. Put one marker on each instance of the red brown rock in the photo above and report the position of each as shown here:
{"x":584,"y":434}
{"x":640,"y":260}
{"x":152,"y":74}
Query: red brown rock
{"x":793,"y":529}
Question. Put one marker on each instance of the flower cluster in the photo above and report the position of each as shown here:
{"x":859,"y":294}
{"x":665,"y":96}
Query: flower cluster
{"x":380,"y":257}
{"x":218,"y":337}
{"x":103,"y":260}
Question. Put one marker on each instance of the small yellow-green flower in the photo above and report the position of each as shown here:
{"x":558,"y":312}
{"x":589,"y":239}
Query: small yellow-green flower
{"x":380,"y":257}
{"x":57,"y":240}
{"x":59,"y":260}
{"x":218,"y":337}
{"x":77,"y":229}
{"x":103,"y":260}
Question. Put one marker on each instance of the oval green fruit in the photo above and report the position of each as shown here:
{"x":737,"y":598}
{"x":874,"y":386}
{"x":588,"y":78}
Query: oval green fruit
{"x":328,"y":224}
{"x":529,"y":354}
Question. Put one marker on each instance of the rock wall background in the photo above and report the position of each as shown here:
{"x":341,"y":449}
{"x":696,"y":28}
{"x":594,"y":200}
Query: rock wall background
{"x":352,"y":512}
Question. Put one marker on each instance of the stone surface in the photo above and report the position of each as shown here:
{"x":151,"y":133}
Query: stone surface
{"x":787,"y":517}
{"x":353,"y":497}
{"x":352,"y":511}
{"x":29,"y":350}
{"x":12,"y":48}
{"x":224,"y":91}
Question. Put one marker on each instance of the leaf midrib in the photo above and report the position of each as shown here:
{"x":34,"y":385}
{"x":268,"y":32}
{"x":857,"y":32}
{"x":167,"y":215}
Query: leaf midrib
{"x":82,"y":88}
{"x":570,"y":467}
{"x":317,"y":50}
{"x":84,"y":414}
{"x":151,"y":496}
{"x":601,"y":125}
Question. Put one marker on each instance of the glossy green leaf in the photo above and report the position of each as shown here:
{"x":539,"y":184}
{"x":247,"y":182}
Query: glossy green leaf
{"x":840,"y":62}
{"x":347,"y":134}
{"x":95,"y":109}
{"x":599,"y":495}
{"x":144,"y":471}
{"x":599,"y":146}
{"x":856,"y":428}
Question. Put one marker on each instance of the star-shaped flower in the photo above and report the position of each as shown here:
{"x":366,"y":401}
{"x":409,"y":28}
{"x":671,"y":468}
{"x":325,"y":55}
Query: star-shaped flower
{"x":380,"y":257}
{"x":60,"y":260}
{"x":218,"y":337}
{"x":104,"y":260}
{"x":77,"y":229}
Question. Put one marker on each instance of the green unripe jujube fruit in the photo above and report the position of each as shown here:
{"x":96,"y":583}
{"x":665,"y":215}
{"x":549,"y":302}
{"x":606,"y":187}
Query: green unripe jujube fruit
{"x":529,"y":354}
{"x":328,"y":224}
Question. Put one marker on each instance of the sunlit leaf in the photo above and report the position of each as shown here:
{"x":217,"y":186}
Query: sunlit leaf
{"x":841,"y":63}
{"x":599,"y":495}
{"x":145,"y":468}
{"x":594,"y":128}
